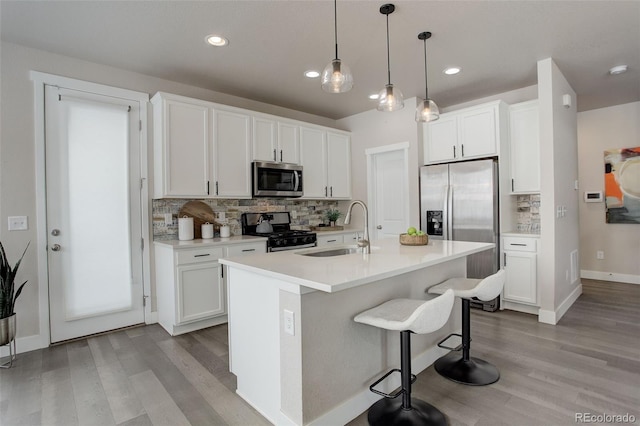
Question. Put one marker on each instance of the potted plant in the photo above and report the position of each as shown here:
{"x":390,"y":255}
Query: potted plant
{"x":332,"y":216}
{"x":8,"y":296}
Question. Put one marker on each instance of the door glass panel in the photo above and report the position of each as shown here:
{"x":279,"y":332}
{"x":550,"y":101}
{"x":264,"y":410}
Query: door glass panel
{"x":99,"y":265}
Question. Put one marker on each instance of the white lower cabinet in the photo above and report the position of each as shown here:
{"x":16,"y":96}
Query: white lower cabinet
{"x":520,"y":264}
{"x":348,"y":237}
{"x":190,"y":284}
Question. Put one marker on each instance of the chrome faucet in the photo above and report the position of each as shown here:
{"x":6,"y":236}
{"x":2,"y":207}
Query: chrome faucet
{"x":364,"y":243}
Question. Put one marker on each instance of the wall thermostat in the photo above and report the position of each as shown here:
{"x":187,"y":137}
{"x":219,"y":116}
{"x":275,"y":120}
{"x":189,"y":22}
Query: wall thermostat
{"x":593,"y":197}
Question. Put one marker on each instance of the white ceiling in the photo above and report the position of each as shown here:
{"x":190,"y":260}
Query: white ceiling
{"x":497,"y":44}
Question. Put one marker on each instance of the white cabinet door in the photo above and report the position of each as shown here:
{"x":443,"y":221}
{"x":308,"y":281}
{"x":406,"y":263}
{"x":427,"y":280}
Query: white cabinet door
{"x":232,"y":154}
{"x":477,"y":133}
{"x":520,"y":285}
{"x":181,"y":148}
{"x":200,"y":292}
{"x":525,"y":147}
{"x":313,"y":158}
{"x":288,"y":150}
{"x":441,"y":138}
{"x":264,"y":139}
{"x":339,"y":165}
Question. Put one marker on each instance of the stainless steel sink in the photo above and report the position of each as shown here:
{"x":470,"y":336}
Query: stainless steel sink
{"x":330,"y":252}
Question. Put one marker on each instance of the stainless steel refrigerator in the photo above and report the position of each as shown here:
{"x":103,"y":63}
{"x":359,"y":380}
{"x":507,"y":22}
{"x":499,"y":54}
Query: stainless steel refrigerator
{"x":459,"y":201}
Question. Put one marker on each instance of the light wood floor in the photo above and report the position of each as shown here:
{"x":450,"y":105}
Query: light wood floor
{"x":588,"y":363}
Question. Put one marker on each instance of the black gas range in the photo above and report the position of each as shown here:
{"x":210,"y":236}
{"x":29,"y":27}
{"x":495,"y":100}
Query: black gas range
{"x":276,"y":226}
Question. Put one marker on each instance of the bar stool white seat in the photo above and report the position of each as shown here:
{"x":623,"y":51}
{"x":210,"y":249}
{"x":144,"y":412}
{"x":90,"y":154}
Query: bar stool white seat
{"x":462,"y":368}
{"x":407,"y":316}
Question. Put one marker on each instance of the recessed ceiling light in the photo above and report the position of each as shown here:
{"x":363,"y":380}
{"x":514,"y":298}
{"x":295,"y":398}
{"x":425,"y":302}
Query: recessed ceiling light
{"x":312,"y":74}
{"x":374,"y":96}
{"x":452,"y":70}
{"x":216,"y":40}
{"x":618,"y":69}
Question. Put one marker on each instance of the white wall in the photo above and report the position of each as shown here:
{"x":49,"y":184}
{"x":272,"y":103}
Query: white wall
{"x":559,"y":172}
{"x":599,"y":130}
{"x":17,"y":147}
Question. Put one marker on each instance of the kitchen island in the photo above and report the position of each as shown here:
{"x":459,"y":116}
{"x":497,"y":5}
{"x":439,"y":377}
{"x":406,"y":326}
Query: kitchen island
{"x":298,"y":356}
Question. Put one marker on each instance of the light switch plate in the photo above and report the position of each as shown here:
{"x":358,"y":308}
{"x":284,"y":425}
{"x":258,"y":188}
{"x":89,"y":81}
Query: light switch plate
{"x":18,"y":223}
{"x":289,"y":322}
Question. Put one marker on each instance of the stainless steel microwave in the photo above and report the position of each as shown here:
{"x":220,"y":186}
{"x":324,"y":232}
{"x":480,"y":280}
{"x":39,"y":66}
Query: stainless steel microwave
{"x":276,"y":179}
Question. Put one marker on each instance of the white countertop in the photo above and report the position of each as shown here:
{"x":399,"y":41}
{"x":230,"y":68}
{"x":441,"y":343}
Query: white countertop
{"x":239,"y":239}
{"x":388,"y":258}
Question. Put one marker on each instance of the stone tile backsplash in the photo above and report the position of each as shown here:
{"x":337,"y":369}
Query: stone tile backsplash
{"x":528,"y":209}
{"x":308,"y":212}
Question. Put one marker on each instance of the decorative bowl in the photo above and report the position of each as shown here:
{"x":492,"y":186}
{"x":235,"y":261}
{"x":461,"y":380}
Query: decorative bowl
{"x":413,"y":240}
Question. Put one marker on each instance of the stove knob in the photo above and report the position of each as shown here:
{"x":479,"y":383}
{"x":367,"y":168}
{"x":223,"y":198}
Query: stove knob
{"x":294,"y":240}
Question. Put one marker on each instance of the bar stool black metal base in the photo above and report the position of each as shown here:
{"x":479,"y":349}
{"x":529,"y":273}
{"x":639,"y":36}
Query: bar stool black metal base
{"x":474,"y":372}
{"x":389,"y":412}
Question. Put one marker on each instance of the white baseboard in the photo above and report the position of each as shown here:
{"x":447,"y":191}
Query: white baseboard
{"x":552,"y":317}
{"x":610,"y":276}
{"x":151,"y":318}
{"x":25,"y":344}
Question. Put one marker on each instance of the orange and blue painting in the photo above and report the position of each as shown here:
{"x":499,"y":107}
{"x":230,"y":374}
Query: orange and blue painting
{"x":622,"y":185}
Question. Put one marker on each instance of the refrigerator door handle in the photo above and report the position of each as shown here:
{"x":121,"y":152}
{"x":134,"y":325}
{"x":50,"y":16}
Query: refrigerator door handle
{"x":448,"y":214}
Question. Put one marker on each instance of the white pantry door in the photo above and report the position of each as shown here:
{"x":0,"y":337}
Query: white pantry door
{"x":388,"y":189}
{"x":92,"y":150}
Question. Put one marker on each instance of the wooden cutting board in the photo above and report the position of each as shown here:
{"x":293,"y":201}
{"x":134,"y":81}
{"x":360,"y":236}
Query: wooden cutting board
{"x":201,"y":213}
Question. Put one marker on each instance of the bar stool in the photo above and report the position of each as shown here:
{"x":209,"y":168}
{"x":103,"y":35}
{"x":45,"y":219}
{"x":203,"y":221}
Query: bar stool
{"x":407,"y":316}
{"x":463,"y":368}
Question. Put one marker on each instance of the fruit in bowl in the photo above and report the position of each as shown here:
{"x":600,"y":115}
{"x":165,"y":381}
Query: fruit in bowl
{"x":414,"y":237}
{"x":413,"y":231}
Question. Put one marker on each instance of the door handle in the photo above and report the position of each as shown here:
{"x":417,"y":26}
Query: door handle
{"x":379,"y":227}
{"x":55,"y":247}
{"x":55,"y":232}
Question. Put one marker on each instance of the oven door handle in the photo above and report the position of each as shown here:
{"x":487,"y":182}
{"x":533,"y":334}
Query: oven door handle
{"x":274,"y":249}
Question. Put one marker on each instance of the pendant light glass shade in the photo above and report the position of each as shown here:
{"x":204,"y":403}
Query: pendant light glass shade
{"x":427,"y":110}
{"x":390,"y":98}
{"x":336,"y":77}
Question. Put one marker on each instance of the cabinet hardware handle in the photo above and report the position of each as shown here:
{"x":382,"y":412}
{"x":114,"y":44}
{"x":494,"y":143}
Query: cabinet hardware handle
{"x":517,"y":244}
{"x":331,"y":241}
{"x":207,"y":187}
{"x":202,"y":255}
{"x":462,"y":146}
{"x":216,"y":187}
{"x":281,"y":156}
{"x":454,"y":151}
{"x":512,"y":185}
{"x":331,"y":191}
{"x":274,"y":155}
{"x":325,"y":191}
{"x":248,"y":249}
{"x":505,"y":259}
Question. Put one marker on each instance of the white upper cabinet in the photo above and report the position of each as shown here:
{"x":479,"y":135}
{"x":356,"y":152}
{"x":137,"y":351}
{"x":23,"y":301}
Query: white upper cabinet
{"x":204,"y":150}
{"x":313,"y":158}
{"x":525,"y":147}
{"x":232,"y":154}
{"x":201,"y":149}
{"x":326,"y":160}
{"x":181,"y":148}
{"x":275,"y":140}
{"x":469,"y":133}
{"x":339,"y":165}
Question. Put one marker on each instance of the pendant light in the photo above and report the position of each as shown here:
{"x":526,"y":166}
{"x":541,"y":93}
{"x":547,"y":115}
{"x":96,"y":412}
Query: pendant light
{"x":390,"y":98}
{"x":427,"y":110}
{"x":336,"y":77}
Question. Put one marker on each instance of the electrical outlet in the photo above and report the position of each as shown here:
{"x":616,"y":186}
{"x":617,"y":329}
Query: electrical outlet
{"x":600,"y":255}
{"x":289,"y":322}
{"x":294,"y":214}
{"x":18,"y":223}
{"x":168,"y":219}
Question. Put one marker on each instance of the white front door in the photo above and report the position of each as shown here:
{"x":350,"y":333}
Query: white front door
{"x":389,"y":191}
{"x":92,"y":151}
